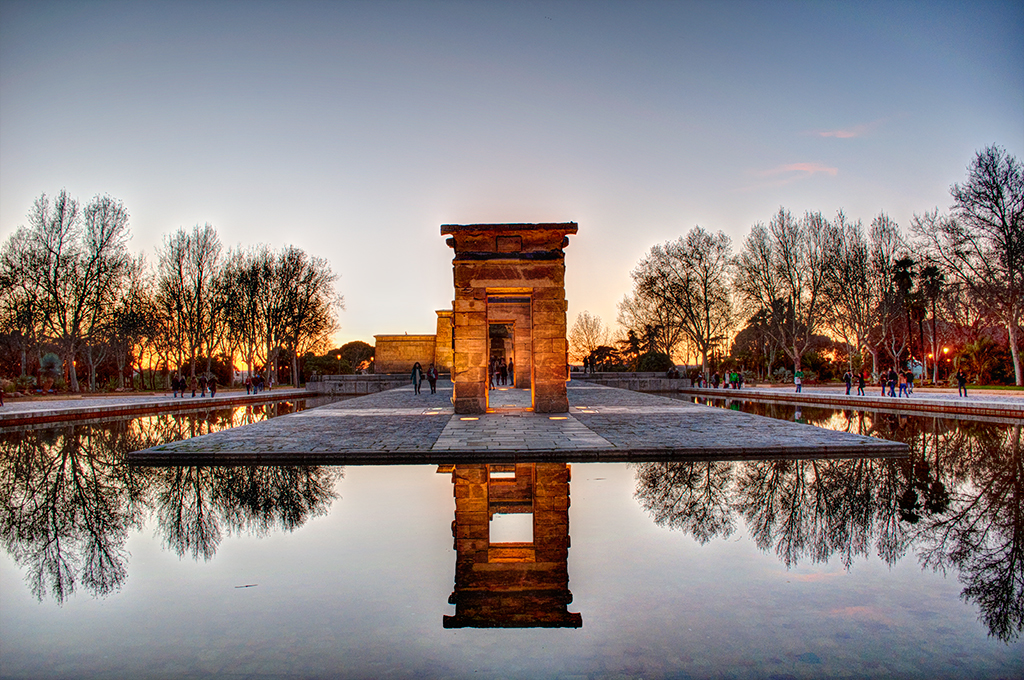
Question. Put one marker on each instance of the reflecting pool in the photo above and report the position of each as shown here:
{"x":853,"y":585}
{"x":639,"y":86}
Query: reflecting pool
{"x":757,"y":569}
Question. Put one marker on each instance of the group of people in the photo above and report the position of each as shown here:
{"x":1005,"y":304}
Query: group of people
{"x":180,"y":385}
{"x":418,"y":375}
{"x":861,"y":382}
{"x":733,"y":380}
{"x":255,"y":385}
{"x":499,"y":373}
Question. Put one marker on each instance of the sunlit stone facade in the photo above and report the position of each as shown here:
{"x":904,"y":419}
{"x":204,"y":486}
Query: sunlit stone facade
{"x":510,"y":275}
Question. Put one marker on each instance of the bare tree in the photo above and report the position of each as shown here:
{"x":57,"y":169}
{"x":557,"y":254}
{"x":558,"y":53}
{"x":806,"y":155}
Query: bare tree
{"x":689,"y":278}
{"x":307,"y":284}
{"x":187,"y":270}
{"x":70,"y":263}
{"x":650,"y":326}
{"x":850,"y":288}
{"x":983,"y":245}
{"x":781,"y":269}
{"x":587,"y":334}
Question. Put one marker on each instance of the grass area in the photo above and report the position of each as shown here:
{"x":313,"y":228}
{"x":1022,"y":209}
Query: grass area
{"x":1012,"y":388}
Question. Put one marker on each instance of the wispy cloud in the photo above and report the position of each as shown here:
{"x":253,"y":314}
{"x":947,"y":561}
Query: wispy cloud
{"x":796,"y":171}
{"x":849,"y":132}
{"x":785,"y":174}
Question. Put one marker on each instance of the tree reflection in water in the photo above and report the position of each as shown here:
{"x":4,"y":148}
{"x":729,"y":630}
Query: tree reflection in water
{"x":69,"y":500}
{"x":957,"y":502}
{"x":196,"y":504}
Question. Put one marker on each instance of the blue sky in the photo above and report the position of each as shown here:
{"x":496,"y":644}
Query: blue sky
{"x":355,"y":129}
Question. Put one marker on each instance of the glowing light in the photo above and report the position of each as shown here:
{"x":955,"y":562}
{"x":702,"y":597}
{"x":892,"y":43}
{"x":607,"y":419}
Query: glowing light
{"x":557,"y":418}
{"x":469,"y":419}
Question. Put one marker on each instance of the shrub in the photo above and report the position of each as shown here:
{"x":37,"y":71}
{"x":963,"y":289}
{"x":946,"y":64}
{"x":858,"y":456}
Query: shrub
{"x":654,"y":362}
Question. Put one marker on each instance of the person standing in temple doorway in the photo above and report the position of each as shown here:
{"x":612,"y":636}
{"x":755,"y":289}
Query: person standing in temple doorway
{"x":432,"y":379}
{"x":511,"y":373}
{"x":417,"y":376}
{"x":503,"y":368}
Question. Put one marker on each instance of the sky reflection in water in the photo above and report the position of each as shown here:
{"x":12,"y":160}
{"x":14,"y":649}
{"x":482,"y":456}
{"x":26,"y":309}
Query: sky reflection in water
{"x":755,"y":569}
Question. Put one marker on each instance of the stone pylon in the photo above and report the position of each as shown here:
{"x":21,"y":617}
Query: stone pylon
{"x":511,"y":275}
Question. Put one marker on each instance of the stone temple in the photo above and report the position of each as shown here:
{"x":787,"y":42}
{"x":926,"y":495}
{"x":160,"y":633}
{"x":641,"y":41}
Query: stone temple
{"x":509,"y":303}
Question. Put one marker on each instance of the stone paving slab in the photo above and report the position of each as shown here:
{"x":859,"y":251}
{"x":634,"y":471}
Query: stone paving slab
{"x":604,"y":423}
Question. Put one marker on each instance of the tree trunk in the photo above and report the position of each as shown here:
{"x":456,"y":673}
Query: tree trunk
{"x":92,"y":367}
{"x":1011,"y":330}
{"x":72,"y":374}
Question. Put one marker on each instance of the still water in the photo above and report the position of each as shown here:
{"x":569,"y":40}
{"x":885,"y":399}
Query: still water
{"x":715,"y":569}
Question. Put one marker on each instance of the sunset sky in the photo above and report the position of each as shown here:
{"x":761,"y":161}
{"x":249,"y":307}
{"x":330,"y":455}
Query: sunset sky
{"x":355,"y":129}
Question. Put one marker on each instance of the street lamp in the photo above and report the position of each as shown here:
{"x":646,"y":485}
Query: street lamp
{"x":339,"y":363}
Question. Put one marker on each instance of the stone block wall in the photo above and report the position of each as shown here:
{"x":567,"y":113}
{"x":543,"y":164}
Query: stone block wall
{"x":398,"y":353}
{"x":443,"y":341}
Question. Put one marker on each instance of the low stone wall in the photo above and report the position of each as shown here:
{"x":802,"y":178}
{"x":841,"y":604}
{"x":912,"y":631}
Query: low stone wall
{"x":356,"y":384}
{"x":638,"y":382}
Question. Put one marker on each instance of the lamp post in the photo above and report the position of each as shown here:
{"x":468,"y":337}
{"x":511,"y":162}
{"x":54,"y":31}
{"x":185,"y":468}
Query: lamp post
{"x":338,"y":356}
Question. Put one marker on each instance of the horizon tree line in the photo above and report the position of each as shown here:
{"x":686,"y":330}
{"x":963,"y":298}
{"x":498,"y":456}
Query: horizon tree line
{"x":887,"y":295}
{"x":69,"y":285}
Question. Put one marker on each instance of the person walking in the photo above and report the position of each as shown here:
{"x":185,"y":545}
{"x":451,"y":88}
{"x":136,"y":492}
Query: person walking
{"x":715,"y":379}
{"x":417,"y":377}
{"x":202,"y":385}
{"x":213,"y":386}
{"x":861,"y":382}
{"x":892,"y":382}
{"x":174,"y":384}
{"x":961,"y":383}
{"x":910,"y":383}
{"x":848,"y":379}
{"x":432,"y":379}
{"x":798,"y":380}
{"x":248,"y":384}
{"x":193,"y":384}
{"x":902,"y":377}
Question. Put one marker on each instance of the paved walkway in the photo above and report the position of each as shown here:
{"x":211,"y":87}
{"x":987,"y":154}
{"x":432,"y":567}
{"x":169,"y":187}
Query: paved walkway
{"x":604,"y":423}
{"x":992,"y":404}
{"x":28,"y":411}
{"x":944,"y":393}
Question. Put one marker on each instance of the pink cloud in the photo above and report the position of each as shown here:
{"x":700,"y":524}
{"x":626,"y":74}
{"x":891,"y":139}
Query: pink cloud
{"x":784,"y":174}
{"x":850,"y":132}
{"x":798,"y":170}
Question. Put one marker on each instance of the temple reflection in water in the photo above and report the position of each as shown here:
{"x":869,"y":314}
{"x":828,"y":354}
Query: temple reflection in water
{"x":511,"y":533}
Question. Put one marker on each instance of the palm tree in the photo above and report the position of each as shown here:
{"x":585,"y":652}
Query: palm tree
{"x":903,"y":277}
{"x":931,"y":282}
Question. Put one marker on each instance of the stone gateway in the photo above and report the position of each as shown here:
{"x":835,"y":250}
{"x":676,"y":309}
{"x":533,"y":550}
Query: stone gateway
{"x":509,"y":304}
